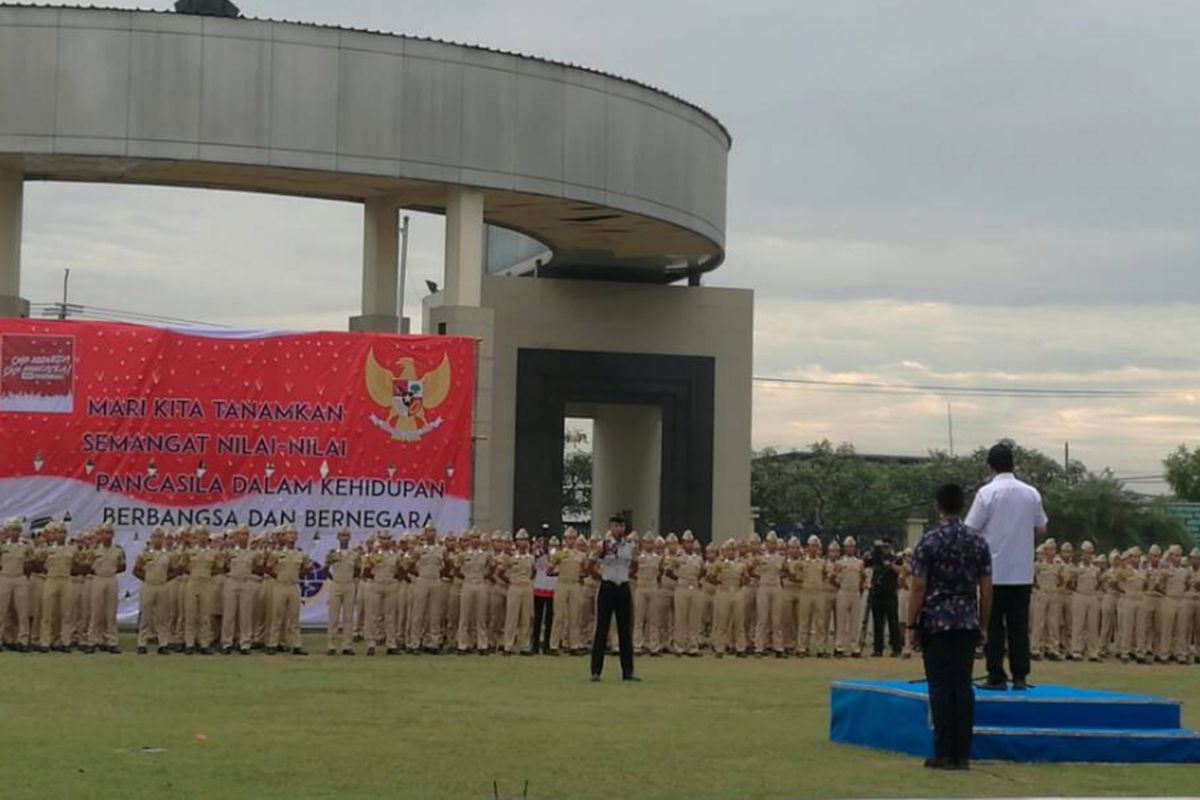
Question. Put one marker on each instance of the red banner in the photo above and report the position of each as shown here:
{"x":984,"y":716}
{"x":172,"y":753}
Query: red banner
{"x":146,"y":426}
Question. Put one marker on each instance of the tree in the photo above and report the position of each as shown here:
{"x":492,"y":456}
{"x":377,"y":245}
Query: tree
{"x":577,"y":477}
{"x":1183,"y":473}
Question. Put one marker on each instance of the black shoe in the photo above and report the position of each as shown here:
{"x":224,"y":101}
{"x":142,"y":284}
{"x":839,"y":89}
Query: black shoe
{"x":371,"y":650}
{"x":245,"y":651}
{"x":960,"y":765}
{"x":299,"y":651}
{"x":269,"y":651}
{"x":164,"y":651}
{"x":88,"y":649}
{"x":331,"y":652}
{"x":226,"y":651}
{"x":483,"y":651}
{"x":632,"y":679}
{"x":595,"y":679}
{"x":22,"y":648}
{"x":526,"y":652}
{"x":877,"y":655}
{"x":1019,"y":685}
{"x":204,"y":651}
{"x":189,"y":651}
{"x":112,"y":650}
{"x":348,"y":651}
{"x":141,"y":651}
{"x":995,"y":685}
{"x":939,"y":763}
{"x":393,"y":651}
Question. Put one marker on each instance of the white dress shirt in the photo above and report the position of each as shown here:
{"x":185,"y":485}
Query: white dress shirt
{"x":615,"y":561}
{"x":1005,"y":513}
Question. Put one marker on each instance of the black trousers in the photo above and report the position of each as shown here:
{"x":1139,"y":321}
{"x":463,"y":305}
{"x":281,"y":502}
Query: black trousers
{"x":543,"y":621}
{"x":949,"y":658}
{"x":885,"y":607}
{"x":1009,"y":625}
{"x":614,"y":599}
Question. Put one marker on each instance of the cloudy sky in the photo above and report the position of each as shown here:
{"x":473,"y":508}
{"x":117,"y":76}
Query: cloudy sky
{"x":960,"y":193}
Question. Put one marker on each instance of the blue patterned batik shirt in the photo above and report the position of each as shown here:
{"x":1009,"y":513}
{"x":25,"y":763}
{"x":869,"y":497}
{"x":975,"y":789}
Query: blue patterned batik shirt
{"x":951,"y":558}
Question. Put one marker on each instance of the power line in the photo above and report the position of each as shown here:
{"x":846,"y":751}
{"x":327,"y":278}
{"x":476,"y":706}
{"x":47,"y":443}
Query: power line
{"x":101,"y":313}
{"x":867,"y":387}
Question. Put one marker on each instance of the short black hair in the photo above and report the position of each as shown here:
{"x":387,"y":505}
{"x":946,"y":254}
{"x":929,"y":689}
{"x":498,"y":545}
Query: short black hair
{"x":616,"y":518}
{"x":1000,"y":458}
{"x":951,"y":499}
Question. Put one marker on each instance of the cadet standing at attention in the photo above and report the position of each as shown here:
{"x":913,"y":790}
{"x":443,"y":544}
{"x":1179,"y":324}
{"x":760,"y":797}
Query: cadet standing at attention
{"x":566,"y":563}
{"x":341,"y":565}
{"x":287,"y":566}
{"x":153,"y":568}
{"x":517,"y":574}
{"x":107,"y":564}
{"x":238,"y":594}
{"x":15,"y":557}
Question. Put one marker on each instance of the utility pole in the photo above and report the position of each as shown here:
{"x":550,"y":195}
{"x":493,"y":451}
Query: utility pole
{"x":1066,"y":457}
{"x":950,"y":425}
{"x":62,"y":311}
{"x":403,"y":267}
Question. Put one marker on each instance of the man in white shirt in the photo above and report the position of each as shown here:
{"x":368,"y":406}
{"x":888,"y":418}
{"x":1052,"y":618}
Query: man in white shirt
{"x":1008,"y":514}
{"x":616,"y":566}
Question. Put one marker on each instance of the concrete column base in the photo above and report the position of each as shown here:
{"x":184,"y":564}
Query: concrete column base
{"x":379,"y":323}
{"x":13,"y":306}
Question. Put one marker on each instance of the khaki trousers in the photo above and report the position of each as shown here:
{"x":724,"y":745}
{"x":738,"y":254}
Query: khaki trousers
{"x":1128,"y":621}
{"x":517,"y":619}
{"x":197,"y":619}
{"x":473,"y":617}
{"x":453,"y":611}
{"x":564,"y":633}
{"x":58,"y":615}
{"x":1175,"y":629}
{"x":237,"y":612}
{"x":1108,"y":623}
{"x":497,"y":599}
{"x":102,"y":628}
{"x":178,"y":595}
{"x":14,"y":598}
{"x":262,"y":609}
{"x":382,"y":607}
{"x":1195,"y":612}
{"x":80,"y":611}
{"x":849,"y":622}
{"x":1150,"y":624}
{"x":37,"y":587}
{"x":1040,"y":611}
{"x":360,"y":611}
{"x":645,"y":633}
{"x":340,"y":615}
{"x":1085,"y":625}
{"x":216,"y":604}
{"x":285,"y":616}
{"x":769,"y":628}
{"x":749,"y":609}
{"x":425,"y":614}
{"x":729,"y":621}
{"x":154,"y":615}
{"x":688,"y":611}
{"x":811,"y":621}
{"x":791,"y":613}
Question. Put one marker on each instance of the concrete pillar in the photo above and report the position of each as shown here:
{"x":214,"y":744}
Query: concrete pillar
{"x":464,"y":248}
{"x":627,"y":464}
{"x":12,"y":199}
{"x":381,"y":267}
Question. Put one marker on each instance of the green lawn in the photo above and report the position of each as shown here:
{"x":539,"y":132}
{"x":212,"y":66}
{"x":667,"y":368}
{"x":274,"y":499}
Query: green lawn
{"x":446,"y":727}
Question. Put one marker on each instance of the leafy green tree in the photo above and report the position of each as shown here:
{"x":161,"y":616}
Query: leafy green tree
{"x":1183,"y":473}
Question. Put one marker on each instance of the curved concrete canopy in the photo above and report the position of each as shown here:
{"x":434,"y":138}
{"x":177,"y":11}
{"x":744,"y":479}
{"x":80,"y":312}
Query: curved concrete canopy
{"x":619,"y":180}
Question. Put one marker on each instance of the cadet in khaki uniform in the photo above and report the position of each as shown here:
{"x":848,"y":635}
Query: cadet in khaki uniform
{"x":428,"y":606}
{"x":475,"y":567}
{"x":15,"y":559}
{"x":498,"y":592}
{"x":78,"y":591}
{"x":768,"y":603}
{"x":341,"y":565}
{"x":833,"y":552}
{"x":198,"y":563}
{"x":382,"y":572}
{"x":664,"y":605}
{"x":812,"y":617}
{"x":1084,"y":583}
{"x":728,"y":573}
{"x":1194,"y":599}
{"x":516,"y":572}
{"x":708,"y":593}
{"x":589,"y":587}
{"x":238,"y":594}
{"x":1131,"y":583}
{"x":454,"y":585}
{"x":1108,"y":603}
{"x":153,"y":568}
{"x":749,"y":550}
{"x":107,"y":563}
{"x":37,"y":585}
{"x":286,"y":566}
{"x":1152,"y":603}
{"x":1173,"y":636}
{"x":793,"y":574}
{"x":1047,"y":605}
{"x":686,"y":568}
{"x":179,"y":544}
{"x":850,"y":578}
{"x":567,"y":563}
{"x":58,"y":619}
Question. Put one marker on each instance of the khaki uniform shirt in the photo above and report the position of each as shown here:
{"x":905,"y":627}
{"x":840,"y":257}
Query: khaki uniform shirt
{"x":474,"y":566}
{"x":59,"y":558}
{"x":384,"y":566}
{"x":341,"y":564}
{"x":289,"y":564}
{"x":728,"y":573}
{"x":1046,"y":576}
{"x":13,"y":558}
{"x":108,"y":561}
{"x":156,"y":566}
{"x":769,"y":567}
{"x":1176,"y":581}
{"x":240,"y":562}
{"x":200,"y":562}
{"x":570,"y":566}
{"x":688,"y":569}
{"x":518,"y":568}
{"x":430,"y":561}
{"x":850,"y":575}
{"x":1086,"y":579}
{"x":1132,"y":582}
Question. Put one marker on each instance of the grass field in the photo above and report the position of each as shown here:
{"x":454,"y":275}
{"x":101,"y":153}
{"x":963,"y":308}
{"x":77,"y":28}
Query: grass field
{"x":446,"y":727}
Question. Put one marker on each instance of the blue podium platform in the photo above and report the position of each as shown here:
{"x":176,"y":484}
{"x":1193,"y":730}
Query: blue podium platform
{"x":1045,"y":723}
